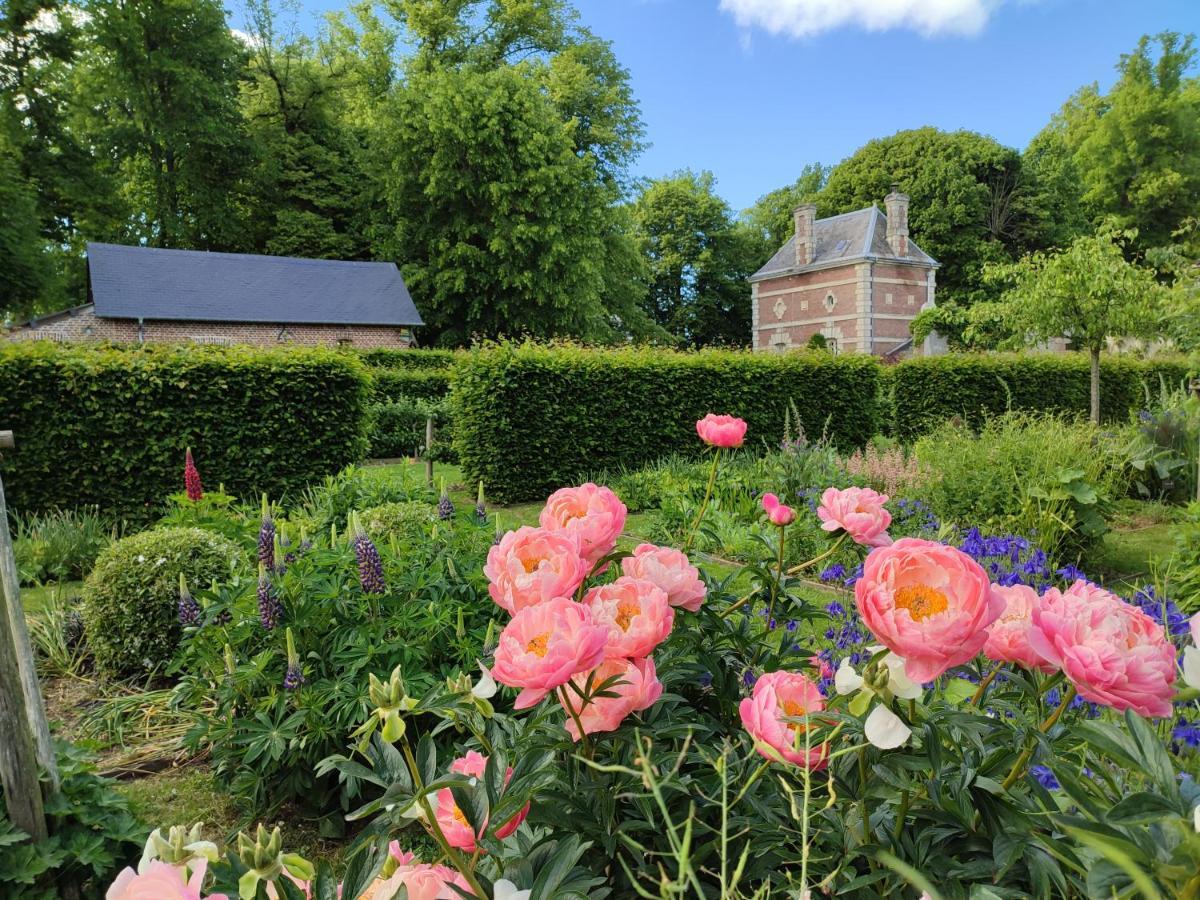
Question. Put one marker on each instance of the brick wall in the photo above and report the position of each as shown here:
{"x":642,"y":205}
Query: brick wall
{"x":84,"y":325}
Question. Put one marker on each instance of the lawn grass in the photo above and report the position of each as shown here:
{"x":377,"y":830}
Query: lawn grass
{"x":36,"y":598}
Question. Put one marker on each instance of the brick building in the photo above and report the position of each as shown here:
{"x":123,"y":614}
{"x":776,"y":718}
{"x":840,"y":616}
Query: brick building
{"x":144,"y":294}
{"x":858,"y":279}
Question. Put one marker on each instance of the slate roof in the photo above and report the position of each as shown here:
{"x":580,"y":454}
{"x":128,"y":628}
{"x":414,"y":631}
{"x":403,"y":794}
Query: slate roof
{"x":194,"y":285}
{"x":861,"y":234}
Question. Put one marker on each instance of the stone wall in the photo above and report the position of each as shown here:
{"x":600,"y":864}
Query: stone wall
{"x":82,"y":324}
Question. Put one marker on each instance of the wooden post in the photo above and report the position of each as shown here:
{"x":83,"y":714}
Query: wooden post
{"x":18,"y":753}
{"x":10,"y":591}
{"x":429,"y":451}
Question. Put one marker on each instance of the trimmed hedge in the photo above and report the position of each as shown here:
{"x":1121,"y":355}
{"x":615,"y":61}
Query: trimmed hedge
{"x":398,"y":428}
{"x":395,"y":384}
{"x":108,"y":426}
{"x":409,"y":359}
{"x":530,"y":418}
{"x":928,"y":391}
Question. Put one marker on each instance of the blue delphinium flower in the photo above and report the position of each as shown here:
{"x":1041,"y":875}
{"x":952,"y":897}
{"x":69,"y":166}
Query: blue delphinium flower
{"x":836,"y":572}
{"x":749,"y":678}
{"x":1186,"y":734}
{"x":1045,"y":777}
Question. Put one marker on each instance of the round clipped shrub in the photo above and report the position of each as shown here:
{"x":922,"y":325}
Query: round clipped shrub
{"x":130,"y":600}
{"x":401,"y":518}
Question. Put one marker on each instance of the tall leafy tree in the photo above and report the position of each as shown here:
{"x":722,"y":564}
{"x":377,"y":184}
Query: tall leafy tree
{"x":310,"y":192}
{"x":699,"y":258}
{"x":771,"y":214}
{"x":1136,"y":149}
{"x":1087,"y":292}
{"x":24,"y":272}
{"x":162,"y":80}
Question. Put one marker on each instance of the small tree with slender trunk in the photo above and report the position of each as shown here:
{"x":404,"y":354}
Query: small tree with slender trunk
{"x":1087,"y":293}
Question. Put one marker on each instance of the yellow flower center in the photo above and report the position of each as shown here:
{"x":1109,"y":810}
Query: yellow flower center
{"x":921,"y":601}
{"x":793,"y":709}
{"x":537,"y":646}
{"x":531,"y":563}
{"x":460,"y":818}
{"x":626,"y":610}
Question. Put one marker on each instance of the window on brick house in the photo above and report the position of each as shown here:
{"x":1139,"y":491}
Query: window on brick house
{"x":217,"y":339}
{"x":830,"y":301}
{"x":345,"y":342}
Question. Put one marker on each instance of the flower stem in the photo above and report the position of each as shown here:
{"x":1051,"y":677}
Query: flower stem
{"x":566,"y":701}
{"x":983,"y":684}
{"x":866,"y":810}
{"x":712,"y":481}
{"x":775,"y":585}
{"x":1019,"y":765}
{"x":800,"y":567}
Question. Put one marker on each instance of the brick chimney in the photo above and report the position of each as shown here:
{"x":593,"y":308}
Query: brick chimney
{"x":805,"y":217}
{"x":897,"y":220}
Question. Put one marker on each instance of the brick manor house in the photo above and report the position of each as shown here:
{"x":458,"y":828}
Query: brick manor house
{"x":857,"y":279}
{"x":146,"y":294}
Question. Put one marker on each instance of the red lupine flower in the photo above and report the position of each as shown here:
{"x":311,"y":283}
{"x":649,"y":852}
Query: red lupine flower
{"x":191,"y":478}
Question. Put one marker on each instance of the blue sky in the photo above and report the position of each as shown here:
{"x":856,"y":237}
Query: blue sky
{"x":754,"y":89}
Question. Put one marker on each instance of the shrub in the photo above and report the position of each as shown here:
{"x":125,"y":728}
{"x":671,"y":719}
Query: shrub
{"x":59,"y":545}
{"x":1040,"y":476}
{"x":409,"y":360}
{"x":412,"y":384}
{"x":530,"y":418}
{"x":130,"y":601}
{"x":403,"y":518}
{"x":109,"y":426}
{"x":398,"y":429}
{"x":1185,"y":563}
{"x":931,"y":390}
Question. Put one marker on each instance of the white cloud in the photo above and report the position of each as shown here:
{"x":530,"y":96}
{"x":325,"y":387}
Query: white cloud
{"x":804,"y":18}
{"x":250,"y":40}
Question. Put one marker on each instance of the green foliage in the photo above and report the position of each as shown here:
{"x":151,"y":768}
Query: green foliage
{"x":416,"y":383}
{"x":1164,"y":445}
{"x":59,"y":545}
{"x":109,"y":426}
{"x":529,"y":419}
{"x":23,"y":271}
{"x":1185,"y":562}
{"x":771,"y":215}
{"x":1025,"y":474}
{"x":974,"y":387}
{"x":407,"y":360}
{"x":401,"y":519}
{"x":131,"y":599}
{"x":699,"y":258}
{"x":331,"y":502}
{"x":1136,"y":148}
{"x":266,"y":740}
{"x":398,"y":429}
{"x":93,"y":835}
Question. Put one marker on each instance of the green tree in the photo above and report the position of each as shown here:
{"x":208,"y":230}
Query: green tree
{"x":771,"y":214}
{"x":162,"y":80}
{"x":1137,"y":148}
{"x":500,"y":226}
{"x":699,"y":258}
{"x":23,"y":262}
{"x":967,"y":199}
{"x":310,"y":192}
{"x":1087,"y":292}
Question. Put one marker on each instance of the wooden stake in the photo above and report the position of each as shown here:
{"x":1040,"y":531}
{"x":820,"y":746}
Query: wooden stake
{"x":18,"y":638}
{"x":429,"y":451}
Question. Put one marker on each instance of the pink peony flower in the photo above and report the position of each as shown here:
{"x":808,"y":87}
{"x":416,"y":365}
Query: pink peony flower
{"x":450,"y":819}
{"x":928,"y":603}
{"x":544,"y":645}
{"x":1112,"y":652}
{"x":824,"y":668}
{"x":777,"y":696}
{"x":638,"y":689}
{"x":592,"y":514}
{"x":721,"y":431}
{"x":776,"y":511}
{"x":670,"y":570}
{"x":857,"y":511}
{"x":423,"y":881}
{"x":1008,"y":638}
{"x":532,"y":565}
{"x":635,"y":612}
{"x":161,"y":881}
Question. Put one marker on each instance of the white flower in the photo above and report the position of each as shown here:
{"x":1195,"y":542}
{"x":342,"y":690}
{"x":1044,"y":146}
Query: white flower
{"x":1191,"y":667}
{"x":506,"y":890}
{"x":485,"y":688}
{"x":846,"y":680}
{"x":885,"y":729}
{"x":898,"y":681}
{"x":141,"y":557}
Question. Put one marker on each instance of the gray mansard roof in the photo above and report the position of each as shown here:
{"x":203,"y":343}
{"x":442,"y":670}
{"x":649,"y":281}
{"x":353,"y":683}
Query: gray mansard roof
{"x":857,"y":235}
{"x":195,"y":285}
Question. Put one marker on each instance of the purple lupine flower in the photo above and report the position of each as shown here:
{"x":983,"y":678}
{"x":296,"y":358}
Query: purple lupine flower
{"x":266,"y":537}
{"x":189,"y":609}
{"x":370,"y":566}
{"x":270,"y":610}
{"x":445,"y":507}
